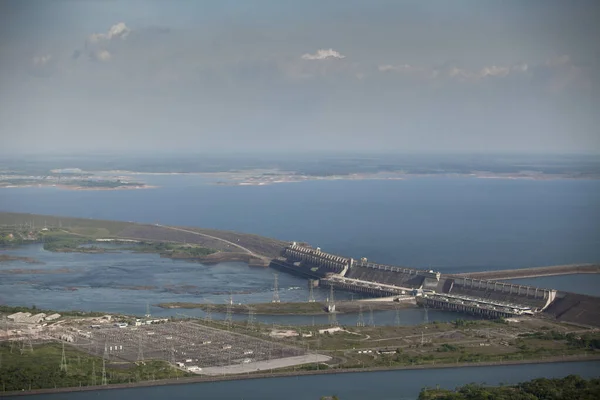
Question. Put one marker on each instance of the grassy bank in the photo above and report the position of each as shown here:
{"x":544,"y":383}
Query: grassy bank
{"x":41,"y":368}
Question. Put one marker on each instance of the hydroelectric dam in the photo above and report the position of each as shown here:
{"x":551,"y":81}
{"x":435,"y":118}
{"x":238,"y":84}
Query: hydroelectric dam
{"x":461,"y":293}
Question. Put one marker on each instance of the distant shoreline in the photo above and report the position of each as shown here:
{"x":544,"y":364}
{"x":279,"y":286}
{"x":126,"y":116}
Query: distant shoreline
{"x":69,"y":187}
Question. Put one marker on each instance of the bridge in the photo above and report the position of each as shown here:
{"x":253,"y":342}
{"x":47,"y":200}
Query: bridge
{"x":453,"y":292}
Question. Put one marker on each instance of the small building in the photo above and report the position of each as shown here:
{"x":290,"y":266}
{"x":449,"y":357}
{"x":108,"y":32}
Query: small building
{"x":280,"y":333}
{"x":52,"y":317}
{"x":37,"y":318}
{"x":121,"y":325}
{"x":330,"y":330}
{"x":194,"y":368}
{"x":19,"y":316}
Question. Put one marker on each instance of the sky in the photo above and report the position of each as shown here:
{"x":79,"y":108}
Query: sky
{"x":421,"y":76}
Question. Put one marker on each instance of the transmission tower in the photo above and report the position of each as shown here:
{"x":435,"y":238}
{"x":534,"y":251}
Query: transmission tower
{"x":228,"y":316}
{"x":106,"y":355}
{"x":397,"y":320}
{"x":104,"y":383}
{"x":208,"y":313}
{"x":251,"y":317}
{"x":140,"y":349}
{"x":26,"y":345}
{"x":361,"y":319}
{"x":275,"y":288}
{"x":63,"y":360}
{"x":172,"y":355}
{"x":311,"y":293}
{"x":371,"y":320}
{"x":93,"y":373}
{"x":331,"y":308}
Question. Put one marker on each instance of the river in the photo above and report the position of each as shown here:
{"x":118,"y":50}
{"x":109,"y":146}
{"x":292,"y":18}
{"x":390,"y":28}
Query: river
{"x":384,"y":385}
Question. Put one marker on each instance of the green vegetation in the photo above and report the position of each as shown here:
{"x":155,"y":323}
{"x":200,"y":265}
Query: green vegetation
{"x":65,"y":242}
{"x":570,"y":388}
{"x":23,"y":369}
{"x":173,"y":250}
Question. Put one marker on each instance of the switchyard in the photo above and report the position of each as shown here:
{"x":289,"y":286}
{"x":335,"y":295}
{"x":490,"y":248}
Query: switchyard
{"x":188,"y":345}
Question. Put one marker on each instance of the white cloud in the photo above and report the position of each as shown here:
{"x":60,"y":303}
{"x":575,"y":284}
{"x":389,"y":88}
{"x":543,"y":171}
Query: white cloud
{"x":453,"y":72}
{"x":323,"y":54}
{"x":116,"y":31}
{"x":102,"y":55}
{"x":493,"y":71}
{"x":41,"y":60}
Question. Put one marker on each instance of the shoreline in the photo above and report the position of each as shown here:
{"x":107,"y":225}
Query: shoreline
{"x":75,"y":187}
{"x":292,"y":308}
{"x":207,"y":379}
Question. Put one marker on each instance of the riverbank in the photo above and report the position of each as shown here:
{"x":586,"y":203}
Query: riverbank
{"x":29,"y":260}
{"x":262,"y":375}
{"x":295,"y":308}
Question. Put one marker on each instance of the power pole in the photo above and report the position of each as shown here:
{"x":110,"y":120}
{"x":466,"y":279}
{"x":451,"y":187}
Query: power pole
{"x":426,"y":315}
{"x":276,"y":288}
{"x":371,"y":320}
{"x":148,"y":310}
{"x":93,"y":373}
{"x":397,"y":320}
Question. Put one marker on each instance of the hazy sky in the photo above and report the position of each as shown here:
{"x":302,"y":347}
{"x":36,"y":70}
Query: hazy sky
{"x":405,"y":76}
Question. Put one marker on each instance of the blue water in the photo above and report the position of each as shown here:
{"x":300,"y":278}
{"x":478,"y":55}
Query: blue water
{"x":125,"y":282}
{"x":388,"y":385}
{"x":449,"y":224}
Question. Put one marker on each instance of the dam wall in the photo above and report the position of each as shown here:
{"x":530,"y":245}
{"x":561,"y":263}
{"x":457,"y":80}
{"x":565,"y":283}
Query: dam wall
{"x":576,"y":309}
{"x":405,"y":278}
{"x":311,"y":258}
{"x":534,"y":297}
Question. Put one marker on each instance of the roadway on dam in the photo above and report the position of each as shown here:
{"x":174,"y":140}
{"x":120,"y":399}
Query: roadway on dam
{"x":533,"y":272}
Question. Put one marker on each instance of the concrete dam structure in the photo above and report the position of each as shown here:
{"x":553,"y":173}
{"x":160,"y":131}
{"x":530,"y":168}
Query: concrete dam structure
{"x":487,"y":298}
